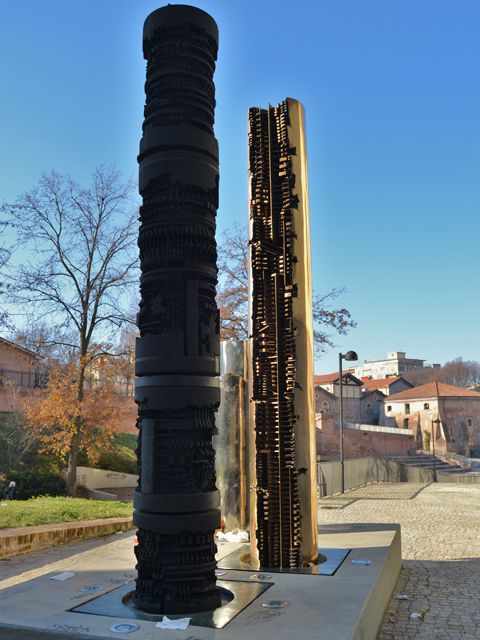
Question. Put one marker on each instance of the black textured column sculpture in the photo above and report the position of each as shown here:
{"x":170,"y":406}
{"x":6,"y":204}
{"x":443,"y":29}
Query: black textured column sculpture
{"x":177,"y":362}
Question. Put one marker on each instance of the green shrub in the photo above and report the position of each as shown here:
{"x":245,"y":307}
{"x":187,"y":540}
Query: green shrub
{"x":31,"y":484}
{"x":426,"y":440}
{"x":120,"y":458}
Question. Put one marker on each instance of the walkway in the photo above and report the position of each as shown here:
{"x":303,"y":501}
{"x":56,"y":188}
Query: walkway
{"x":440,"y":546}
{"x":441,"y":551}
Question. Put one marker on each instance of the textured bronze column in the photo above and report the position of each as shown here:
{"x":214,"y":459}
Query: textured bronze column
{"x":177,"y":361}
{"x":284,"y":511}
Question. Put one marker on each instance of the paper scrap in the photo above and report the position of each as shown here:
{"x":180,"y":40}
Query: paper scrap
{"x":63,"y":576}
{"x":401,"y":596}
{"x":232,"y":536}
{"x":166,"y":623}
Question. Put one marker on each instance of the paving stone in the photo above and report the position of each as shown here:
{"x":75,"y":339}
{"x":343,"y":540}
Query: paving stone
{"x":440,"y":551}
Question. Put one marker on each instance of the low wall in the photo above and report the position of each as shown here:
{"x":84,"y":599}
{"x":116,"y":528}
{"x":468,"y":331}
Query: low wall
{"x":102,"y":479}
{"x":360,"y":440}
{"x":26,"y":539}
{"x":361,"y":471}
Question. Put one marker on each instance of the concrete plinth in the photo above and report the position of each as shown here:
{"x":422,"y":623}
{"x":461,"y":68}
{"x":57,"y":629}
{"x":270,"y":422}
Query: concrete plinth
{"x":347,"y":605}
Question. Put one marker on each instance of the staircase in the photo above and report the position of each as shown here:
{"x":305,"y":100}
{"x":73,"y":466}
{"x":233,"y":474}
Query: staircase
{"x":425,"y":461}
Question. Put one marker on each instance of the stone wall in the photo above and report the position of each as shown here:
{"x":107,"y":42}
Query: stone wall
{"x":351,"y":404}
{"x":358,"y":443}
{"x":459,"y":430}
{"x":102,"y":479}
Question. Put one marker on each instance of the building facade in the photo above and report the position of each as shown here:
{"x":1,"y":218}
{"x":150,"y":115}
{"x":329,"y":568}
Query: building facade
{"x":18,"y":365}
{"x":395,"y":364}
{"x":386,"y":385}
{"x":327,"y":395}
{"x":457,"y":408}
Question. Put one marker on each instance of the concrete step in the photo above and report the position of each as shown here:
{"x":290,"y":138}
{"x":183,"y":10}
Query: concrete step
{"x":425,"y":461}
{"x":406,"y":458}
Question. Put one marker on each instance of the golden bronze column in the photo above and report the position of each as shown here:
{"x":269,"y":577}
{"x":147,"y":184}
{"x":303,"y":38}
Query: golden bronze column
{"x":284,"y":510}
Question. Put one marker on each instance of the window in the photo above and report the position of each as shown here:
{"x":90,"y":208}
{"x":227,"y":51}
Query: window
{"x":426,"y":406}
{"x":405,"y":423}
{"x":469,"y":422}
{"x":369,"y":408}
{"x":389,"y":408}
{"x":407,"y":408}
{"x":325,"y":406}
{"x":317,"y":396}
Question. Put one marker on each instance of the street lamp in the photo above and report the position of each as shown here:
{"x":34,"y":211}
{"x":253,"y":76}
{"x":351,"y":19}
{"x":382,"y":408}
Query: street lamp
{"x":434,"y":431}
{"x":349,"y":356}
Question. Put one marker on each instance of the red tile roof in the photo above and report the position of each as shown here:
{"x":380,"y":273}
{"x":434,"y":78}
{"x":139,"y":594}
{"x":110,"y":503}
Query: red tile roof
{"x":330,"y":378}
{"x":371,"y":384}
{"x":327,"y":378}
{"x":434,"y":390}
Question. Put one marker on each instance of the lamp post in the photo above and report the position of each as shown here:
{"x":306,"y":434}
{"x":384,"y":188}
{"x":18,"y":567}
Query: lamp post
{"x":349,"y":356}
{"x":434,"y":431}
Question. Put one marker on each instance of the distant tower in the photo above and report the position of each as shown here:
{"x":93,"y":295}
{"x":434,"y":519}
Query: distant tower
{"x":177,"y":359}
{"x":284,"y":510}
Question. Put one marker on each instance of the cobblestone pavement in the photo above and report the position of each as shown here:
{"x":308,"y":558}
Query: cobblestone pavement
{"x":440,"y":576}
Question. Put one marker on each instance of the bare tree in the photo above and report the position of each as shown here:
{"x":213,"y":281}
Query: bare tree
{"x":329,"y":320}
{"x":458,"y":372}
{"x":81,"y":243}
{"x":232,"y":297}
{"x":5,"y":253}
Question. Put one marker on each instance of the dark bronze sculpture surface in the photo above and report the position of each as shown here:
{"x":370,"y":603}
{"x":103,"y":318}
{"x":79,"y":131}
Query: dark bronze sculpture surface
{"x":177,"y":360}
{"x":272,"y":207}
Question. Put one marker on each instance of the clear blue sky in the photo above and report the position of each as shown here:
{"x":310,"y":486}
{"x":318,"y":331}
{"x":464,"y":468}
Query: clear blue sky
{"x":392,"y":95}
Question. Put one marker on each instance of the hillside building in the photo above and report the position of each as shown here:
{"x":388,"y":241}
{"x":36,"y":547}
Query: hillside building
{"x":457,"y":408}
{"x":396,"y":364}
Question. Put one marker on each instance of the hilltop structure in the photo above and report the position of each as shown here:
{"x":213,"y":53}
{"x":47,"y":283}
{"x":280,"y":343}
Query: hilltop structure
{"x":395,"y":364}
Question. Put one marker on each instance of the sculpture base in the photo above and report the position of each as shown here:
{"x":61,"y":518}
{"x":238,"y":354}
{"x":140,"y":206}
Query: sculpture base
{"x":241,"y":560}
{"x":349,"y":604}
{"x":234,"y":597}
{"x":175,"y":608}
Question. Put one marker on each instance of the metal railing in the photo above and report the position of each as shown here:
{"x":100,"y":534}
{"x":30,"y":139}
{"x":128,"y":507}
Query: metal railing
{"x":372,"y":427}
{"x":464,"y":461}
{"x":39,"y":380}
{"x":23,"y":379}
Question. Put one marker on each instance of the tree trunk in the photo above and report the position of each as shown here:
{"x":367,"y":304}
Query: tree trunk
{"x":76,"y":438}
{"x":72,"y":466}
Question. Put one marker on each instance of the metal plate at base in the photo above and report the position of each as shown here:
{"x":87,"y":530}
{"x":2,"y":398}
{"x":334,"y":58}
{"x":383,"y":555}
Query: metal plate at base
{"x":240,"y":560}
{"x":116,"y":604}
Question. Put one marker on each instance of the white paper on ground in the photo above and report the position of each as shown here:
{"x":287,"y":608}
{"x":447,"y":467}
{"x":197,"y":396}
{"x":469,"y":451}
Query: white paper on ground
{"x":63,"y":576}
{"x":166,"y":623}
{"x":232,"y":536}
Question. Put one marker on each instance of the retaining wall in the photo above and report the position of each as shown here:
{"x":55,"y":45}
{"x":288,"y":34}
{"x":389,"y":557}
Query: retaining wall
{"x":102,"y":479}
{"x":25,"y":539}
{"x":361,"y":471}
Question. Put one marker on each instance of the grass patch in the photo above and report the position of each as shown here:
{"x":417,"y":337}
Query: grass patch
{"x":128,"y":440}
{"x":45,"y":510}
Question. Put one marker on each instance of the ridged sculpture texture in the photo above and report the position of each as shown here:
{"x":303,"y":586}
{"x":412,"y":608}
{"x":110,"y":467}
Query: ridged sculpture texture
{"x":177,"y":361}
{"x":284,"y":519}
